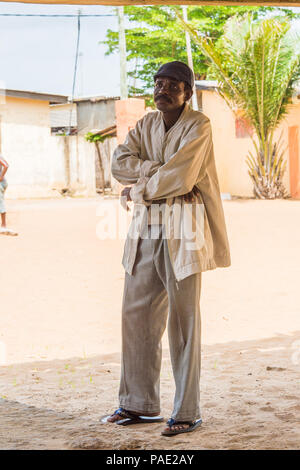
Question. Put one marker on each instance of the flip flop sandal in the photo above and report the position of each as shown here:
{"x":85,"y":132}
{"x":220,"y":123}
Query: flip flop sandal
{"x":8,"y":231}
{"x":172,"y":422}
{"x":130,"y":418}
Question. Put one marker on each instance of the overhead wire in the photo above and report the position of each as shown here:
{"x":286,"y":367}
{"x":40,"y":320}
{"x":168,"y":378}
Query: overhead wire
{"x":78,"y":16}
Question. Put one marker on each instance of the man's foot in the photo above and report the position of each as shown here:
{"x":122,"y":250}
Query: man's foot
{"x":178,"y":427}
{"x":118,"y":415}
{"x":126,"y":417}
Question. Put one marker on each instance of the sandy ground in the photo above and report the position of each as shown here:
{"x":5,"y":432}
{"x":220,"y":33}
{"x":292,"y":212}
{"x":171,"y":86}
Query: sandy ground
{"x":60,"y":301}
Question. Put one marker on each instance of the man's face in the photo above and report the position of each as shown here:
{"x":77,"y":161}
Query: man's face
{"x":169,"y":94}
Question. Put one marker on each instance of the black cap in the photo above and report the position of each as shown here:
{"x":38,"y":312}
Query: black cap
{"x":178,"y":70}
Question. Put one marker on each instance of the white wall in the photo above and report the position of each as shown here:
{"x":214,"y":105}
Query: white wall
{"x":37,"y":159}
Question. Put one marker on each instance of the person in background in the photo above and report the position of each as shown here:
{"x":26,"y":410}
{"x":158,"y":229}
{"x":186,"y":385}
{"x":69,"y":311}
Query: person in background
{"x":3,"y":185}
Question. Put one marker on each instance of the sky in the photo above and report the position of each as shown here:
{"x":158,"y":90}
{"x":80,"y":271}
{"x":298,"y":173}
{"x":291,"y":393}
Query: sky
{"x":38,"y":54}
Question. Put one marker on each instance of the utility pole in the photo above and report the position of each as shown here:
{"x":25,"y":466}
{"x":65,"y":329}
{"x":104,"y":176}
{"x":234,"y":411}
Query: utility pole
{"x":81,"y":87}
{"x":189,"y":56}
{"x":122,"y":49}
{"x":75,"y":70}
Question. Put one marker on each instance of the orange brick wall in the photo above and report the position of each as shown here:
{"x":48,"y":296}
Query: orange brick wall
{"x":128,"y":112}
{"x":294,"y":161}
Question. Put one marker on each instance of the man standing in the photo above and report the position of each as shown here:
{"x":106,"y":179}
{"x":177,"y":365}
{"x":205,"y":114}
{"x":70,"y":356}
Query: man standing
{"x":3,"y":185}
{"x":169,"y":161}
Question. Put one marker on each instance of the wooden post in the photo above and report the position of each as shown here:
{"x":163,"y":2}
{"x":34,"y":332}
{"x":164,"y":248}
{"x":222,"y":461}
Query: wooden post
{"x":67,"y":162}
{"x":122,"y":50}
{"x":101,"y":166}
{"x":190,"y":57}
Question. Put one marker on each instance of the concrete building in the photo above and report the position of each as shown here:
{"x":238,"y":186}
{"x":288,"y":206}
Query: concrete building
{"x":47,"y":162}
{"x":97,"y":113}
{"x":41,"y":165}
{"x":232,"y":142}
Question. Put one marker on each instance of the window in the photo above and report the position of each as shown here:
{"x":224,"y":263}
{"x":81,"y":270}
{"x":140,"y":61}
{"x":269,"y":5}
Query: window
{"x":243,"y":128}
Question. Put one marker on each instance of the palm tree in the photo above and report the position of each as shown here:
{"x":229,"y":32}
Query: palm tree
{"x":257,"y":64}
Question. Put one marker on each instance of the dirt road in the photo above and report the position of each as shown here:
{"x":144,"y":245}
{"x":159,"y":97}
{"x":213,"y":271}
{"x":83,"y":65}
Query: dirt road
{"x":61,"y":293}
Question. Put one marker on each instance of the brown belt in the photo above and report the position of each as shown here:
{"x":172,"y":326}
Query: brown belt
{"x":159,"y":201}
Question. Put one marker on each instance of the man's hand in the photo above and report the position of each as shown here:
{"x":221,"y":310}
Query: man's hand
{"x":192,"y":195}
{"x":125,"y":196}
{"x":189,"y":197}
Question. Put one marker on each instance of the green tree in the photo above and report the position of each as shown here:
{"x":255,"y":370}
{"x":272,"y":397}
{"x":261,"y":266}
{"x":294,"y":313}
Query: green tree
{"x":257,"y":64}
{"x":156,"y":37}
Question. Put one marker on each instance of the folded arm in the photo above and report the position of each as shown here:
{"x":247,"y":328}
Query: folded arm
{"x":127,"y":165}
{"x":181,"y":172}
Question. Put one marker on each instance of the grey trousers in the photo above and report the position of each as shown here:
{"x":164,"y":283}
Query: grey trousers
{"x":149,"y":293}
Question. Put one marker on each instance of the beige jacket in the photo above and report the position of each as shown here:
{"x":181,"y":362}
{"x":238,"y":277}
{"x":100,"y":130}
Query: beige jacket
{"x":163,"y":164}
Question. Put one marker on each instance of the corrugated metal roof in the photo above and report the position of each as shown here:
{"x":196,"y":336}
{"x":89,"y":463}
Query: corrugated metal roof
{"x":60,"y":115}
{"x":95,"y":99}
{"x":213,"y":84}
{"x":112,"y":131}
{"x":206,"y":84}
{"x":33,"y":95}
{"x":164,"y":2}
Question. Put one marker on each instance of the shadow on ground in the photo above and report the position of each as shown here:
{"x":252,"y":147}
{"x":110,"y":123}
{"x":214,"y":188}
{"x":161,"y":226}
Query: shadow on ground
{"x":249,"y":397}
